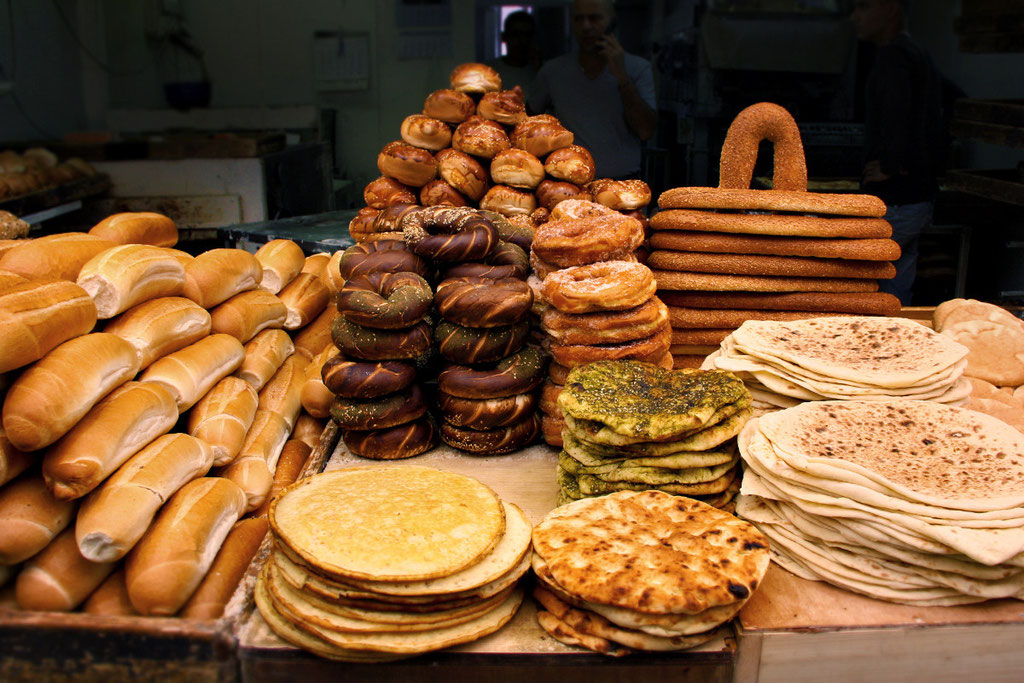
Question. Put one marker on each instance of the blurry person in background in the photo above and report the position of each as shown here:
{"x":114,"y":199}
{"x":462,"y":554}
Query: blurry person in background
{"x":522,"y":58}
{"x":604,"y":95}
{"x":903,"y":137}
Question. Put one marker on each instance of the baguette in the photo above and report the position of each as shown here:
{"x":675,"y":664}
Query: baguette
{"x":31,"y":517}
{"x":316,"y":265}
{"x":215,"y":276}
{"x":253,"y":469}
{"x":332,"y":273}
{"x":308,"y":430}
{"x":37,"y":316}
{"x":50,"y":397}
{"x":115,"y":429}
{"x":12,"y":461}
{"x":264,"y":354}
{"x":282,"y":260}
{"x":223,"y":416}
{"x":115,"y":516}
{"x":289,"y":466}
{"x":192,"y":371}
{"x":111,"y":598}
{"x":58,"y":579}
{"x":245,"y":315}
{"x":170,"y":561}
{"x":183,"y":257}
{"x":227,"y":570}
{"x":315,"y":397}
{"x":161,"y":326}
{"x":316,"y":336}
{"x":139,"y":227}
{"x":7,"y":244}
{"x":305,"y":297}
{"x":283,"y":393}
{"x":9,"y":279}
{"x":129,"y":274}
{"x":57,"y":257}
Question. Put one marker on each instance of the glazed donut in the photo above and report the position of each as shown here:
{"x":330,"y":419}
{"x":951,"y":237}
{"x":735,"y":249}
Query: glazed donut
{"x":362,"y":225}
{"x":424,"y":131}
{"x":552,"y":192}
{"x":609,"y":285}
{"x":606,"y":327}
{"x":394,"y":443}
{"x":384,"y":192}
{"x":486,"y":413}
{"x":385,"y":300}
{"x":407,"y":164}
{"x":508,"y":201}
{"x":516,"y":374}
{"x":558,"y":373}
{"x":507,"y":260}
{"x":390,"y":219}
{"x":505,"y":107}
{"x":480,"y":137}
{"x":492,"y":441}
{"x":449,"y":106}
{"x":573,"y":355}
{"x":439,"y":193}
{"x":573,"y":164}
{"x":578,"y":241}
{"x":379,"y":413}
{"x":390,"y":256}
{"x":462,"y":172}
{"x":540,"y":135}
{"x":367,"y":343}
{"x":551,"y":430}
{"x":472,"y":345}
{"x":549,"y":392}
{"x":517,"y":168}
{"x":447,"y":233}
{"x":517,"y":229}
{"x":579,"y":208}
{"x":352,"y":379}
{"x":622,"y":195}
{"x":541,"y":267}
{"x":479,"y":302}
{"x":473,"y":77}
{"x":763,"y":121}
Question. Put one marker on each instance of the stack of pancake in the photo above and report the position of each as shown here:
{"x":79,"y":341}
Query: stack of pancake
{"x":907,"y":501}
{"x":729,"y":254}
{"x":376,"y":564}
{"x":631,"y":426}
{"x":643,"y":571}
{"x":853,"y":357}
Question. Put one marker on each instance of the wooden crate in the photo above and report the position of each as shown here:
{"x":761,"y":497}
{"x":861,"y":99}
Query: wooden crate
{"x":214,"y":145}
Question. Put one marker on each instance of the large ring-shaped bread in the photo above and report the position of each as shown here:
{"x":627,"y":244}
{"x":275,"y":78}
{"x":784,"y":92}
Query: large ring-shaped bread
{"x":517,"y":229}
{"x":385,"y":300}
{"x":574,"y":355}
{"x":355,"y":379}
{"x":446,"y":233}
{"x":606,"y":327}
{"x":492,"y":441}
{"x":393,"y":443}
{"x":516,"y":374}
{"x":480,"y":302}
{"x":471,"y":345}
{"x":391,"y":256}
{"x":763,"y":121}
{"x":507,"y":260}
{"x":367,"y":343}
{"x":379,"y":413}
{"x":486,"y":413}
{"x":606,"y":286}
{"x":578,"y":241}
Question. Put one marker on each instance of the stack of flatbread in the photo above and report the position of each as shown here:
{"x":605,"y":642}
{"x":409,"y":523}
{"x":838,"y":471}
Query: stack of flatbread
{"x":852,"y":357}
{"x":376,"y":564}
{"x":728,"y":254}
{"x":631,"y":426}
{"x":643,"y":571}
{"x":907,"y":501}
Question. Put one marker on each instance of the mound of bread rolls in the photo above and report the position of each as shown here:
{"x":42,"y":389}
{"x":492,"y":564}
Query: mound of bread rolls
{"x":37,"y":168}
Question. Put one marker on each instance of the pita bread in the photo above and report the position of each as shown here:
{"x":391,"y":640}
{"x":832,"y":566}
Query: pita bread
{"x":706,"y":448}
{"x":566,"y":634}
{"x":617,"y":472}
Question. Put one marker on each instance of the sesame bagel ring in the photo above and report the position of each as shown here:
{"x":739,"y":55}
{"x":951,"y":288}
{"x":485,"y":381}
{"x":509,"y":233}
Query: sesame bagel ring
{"x":385,"y":300}
{"x":479,"y":302}
{"x":367,"y":343}
{"x":393,"y":443}
{"x":379,"y":413}
{"x":451,"y":234}
{"x":486,"y":413}
{"x":469,"y":345}
{"x":763,"y":121}
{"x":515,"y":374}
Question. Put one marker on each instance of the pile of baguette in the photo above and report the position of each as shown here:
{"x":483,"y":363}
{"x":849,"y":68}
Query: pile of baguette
{"x":151,"y":409}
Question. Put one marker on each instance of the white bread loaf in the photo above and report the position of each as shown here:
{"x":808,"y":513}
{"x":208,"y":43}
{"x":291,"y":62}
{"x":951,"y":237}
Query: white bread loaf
{"x":308,"y":430}
{"x":9,"y":279}
{"x":111,"y":598}
{"x":7,"y":244}
{"x":293,"y":458}
{"x":316,"y":336}
{"x":283,"y":393}
{"x":165,"y":567}
{"x":315,"y":397}
{"x":208,"y":601}
{"x":115,"y":516}
{"x":114,"y":430}
{"x":161,"y":326}
{"x":183,"y":257}
{"x":58,"y":579}
{"x":52,"y":395}
{"x":138,"y":227}
{"x":253,"y":469}
{"x":192,"y":371}
{"x":332,"y":273}
{"x":30,"y":517}
{"x":245,"y":315}
{"x":264,"y":354}
{"x":316,"y":265}
{"x":130,"y":274}
{"x":282,"y":260}
{"x":12,"y":461}
{"x":58,"y":257}
{"x":37,"y":316}
{"x":215,"y":276}
{"x":223,"y":416}
{"x":305,"y":297}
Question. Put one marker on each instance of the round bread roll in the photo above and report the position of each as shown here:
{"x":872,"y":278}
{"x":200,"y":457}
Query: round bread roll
{"x":505,"y":107}
{"x":420,"y":130}
{"x":462,"y":172}
{"x":508,"y":201}
{"x":407,"y":164}
{"x":383,"y":192}
{"x":474,"y":78}
{"x":540,"y":135}
{"x":480,"y":137}
{"x":449,"y":106}
{"x":551,"y":192}
{"x":438,"y":192}
{"x":142,"y":227}
{"x":573,"y":164}
{"x":517,"y":168}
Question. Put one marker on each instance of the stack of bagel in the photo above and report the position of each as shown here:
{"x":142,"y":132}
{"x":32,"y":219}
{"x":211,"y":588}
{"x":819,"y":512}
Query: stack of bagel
{"x":729,"y":254}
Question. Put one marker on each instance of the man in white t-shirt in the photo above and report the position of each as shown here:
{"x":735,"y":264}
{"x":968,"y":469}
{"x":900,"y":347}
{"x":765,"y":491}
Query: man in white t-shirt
{"x":599,"y":92}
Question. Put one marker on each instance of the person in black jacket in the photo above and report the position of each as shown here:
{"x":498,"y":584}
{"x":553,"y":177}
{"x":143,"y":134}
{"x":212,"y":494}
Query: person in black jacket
{"x":904,"y":139}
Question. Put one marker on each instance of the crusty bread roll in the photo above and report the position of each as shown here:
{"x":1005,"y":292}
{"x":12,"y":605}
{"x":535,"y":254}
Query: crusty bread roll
{"x":50,"y":397}
{"x":58,"y":256}
{"x":308,"y":430}
{"x":315,"y":397}
{"x":223,"y":416}
{"x":58,"y":579}
{"x":305,"y":297}
{"x":315,"y":337}
{"x":12,"y":461}
{"x":289,"y":466}
{"x":9,"y":279}
{"x":192,"y":371}
{"x":115,"y":516}
{"x":264,"y":355}
{"x":184,"y":258}
{"x":253,"y":469}
{"x":332,"y":273}
{"x":473,"y":77}
{"x":141,"y":227}
{"x":161,"y":326}
{"x":245,"y":315}
{"x":316,"y":265}
{"x":111,"y":598}
{"x":37,"y":316}
{"x":114,"y":430}
{"x":30,"y":517}
{"x":170,"y":561}
{"x":124,"y":276}
{"x":283,"y":393}
{"x":208,"y":601}
{"x":215,"y":276}
{"x":282,"y":260}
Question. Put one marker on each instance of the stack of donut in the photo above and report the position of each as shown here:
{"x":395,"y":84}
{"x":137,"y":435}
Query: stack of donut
{"x":596,"y":300}
{"x":729,"y":254}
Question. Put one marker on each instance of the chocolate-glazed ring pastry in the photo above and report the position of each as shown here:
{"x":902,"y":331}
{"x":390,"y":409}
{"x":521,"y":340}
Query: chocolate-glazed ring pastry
{"x":391,"y":256}
{"x":479,"y":302}
{"x":492,"y":441}
{"x":486,"y":413}
{"x":515,"y":229}
{"x":352,"y":379}
{"x":507,"y":260}
{"x":516,"y":374}
{"x":379,"y":413}
{"x":393,"y":443}
{"x":469,"y":345}
{"x":449,"y":233}
{"x":367,"y":343}
{"x":390,"y":219}
{"x":385,"y":300}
